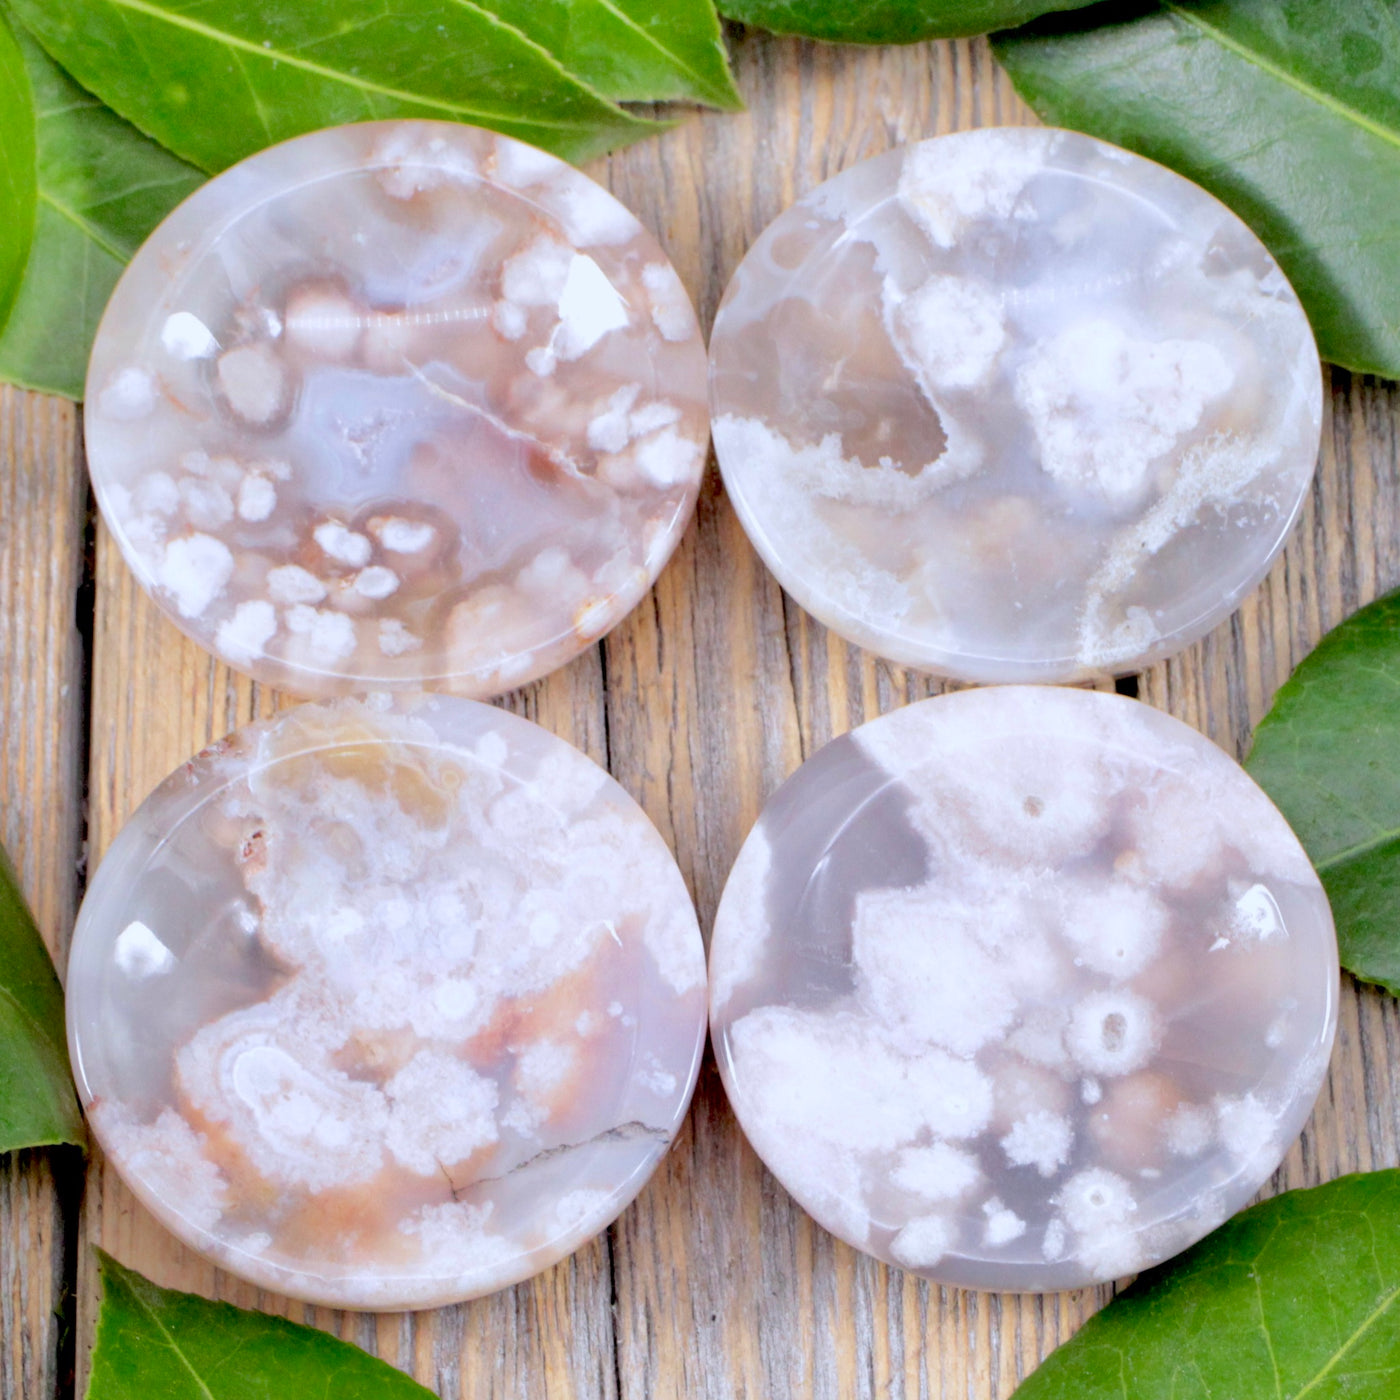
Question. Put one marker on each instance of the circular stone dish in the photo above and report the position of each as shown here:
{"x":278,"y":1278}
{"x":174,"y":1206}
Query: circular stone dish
{"x":1022,"y":988}
{"x":387,"y":1006}
{"x":398,"y":405}
{"x":1014,"y":405}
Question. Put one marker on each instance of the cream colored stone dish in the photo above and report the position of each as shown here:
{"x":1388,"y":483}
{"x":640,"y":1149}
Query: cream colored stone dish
{"x":387,"y":1003}
{"x":398,"y":405}
{"x":1022,"y":988}
{"x":1014,"y":405}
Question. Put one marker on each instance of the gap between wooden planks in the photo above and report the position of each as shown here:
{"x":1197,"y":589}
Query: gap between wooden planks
{"x":713,"y":1286}
{"x":43,"y":496}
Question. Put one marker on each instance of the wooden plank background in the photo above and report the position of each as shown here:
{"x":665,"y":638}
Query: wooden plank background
{"x":713,"y":1286}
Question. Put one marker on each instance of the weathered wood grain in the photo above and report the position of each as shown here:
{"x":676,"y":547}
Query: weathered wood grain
{"x":43,"y":498}
{"x":713,"y":1286}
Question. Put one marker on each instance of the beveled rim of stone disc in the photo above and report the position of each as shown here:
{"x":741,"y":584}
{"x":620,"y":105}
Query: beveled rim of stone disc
{"x":198,"y":224}
{"x":182,"y":797}
{"x":1215,"y":598}
{"x":896,"y":744}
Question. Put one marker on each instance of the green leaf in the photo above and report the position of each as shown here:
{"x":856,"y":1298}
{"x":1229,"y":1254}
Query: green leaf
{"x":632,"y":50}
{"x":216,"y":80}
{"x":1290,"y":113}
{"x":19,"y":189}
{"x":1328,"y":753}
{"x":888,"y":21}
{"x":38,"y":1107}
{"x":102,"y":188}
{"x":157,"y":1344}
{"x":1295,"y":1299}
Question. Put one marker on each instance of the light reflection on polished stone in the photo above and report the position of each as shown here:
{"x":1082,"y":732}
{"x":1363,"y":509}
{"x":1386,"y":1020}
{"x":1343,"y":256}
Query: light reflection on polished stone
{"x":398,"y":404}
{"x":1022,"y":988}
{"x":1014,"y":405}
{"x":387,"y":1005}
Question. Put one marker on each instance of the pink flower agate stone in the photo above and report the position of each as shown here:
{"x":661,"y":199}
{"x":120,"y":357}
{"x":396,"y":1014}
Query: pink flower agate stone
{"x":1014,"y":405}
{"x":1022,"y":988}
{"x":387,"y":1004}
{"x":398,"y":405}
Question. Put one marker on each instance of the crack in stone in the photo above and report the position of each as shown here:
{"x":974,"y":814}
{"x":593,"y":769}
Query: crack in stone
{"x":621,"y":1132}
{"x":561,"y":460}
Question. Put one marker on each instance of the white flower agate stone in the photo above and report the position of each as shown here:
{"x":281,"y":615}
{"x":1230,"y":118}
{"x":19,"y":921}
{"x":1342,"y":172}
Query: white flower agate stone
{"x":387,"y":1005}
{"x":398,"y":405}
{"x":1022,"y":988}
{"x":1014,"y":405}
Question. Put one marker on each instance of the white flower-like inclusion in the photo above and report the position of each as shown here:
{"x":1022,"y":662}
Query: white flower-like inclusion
{"x":444,"y":356}
{"x":1014,"y":405}
{"x":433,"y":1011}
{"x":996,"y":1011}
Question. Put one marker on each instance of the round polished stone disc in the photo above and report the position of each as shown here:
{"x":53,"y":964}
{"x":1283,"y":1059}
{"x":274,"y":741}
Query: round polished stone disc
{"x":387,"y":1005}
{"x":398,"y":404}
{"x":1022,"y":988}
{"x":1014,"y":405}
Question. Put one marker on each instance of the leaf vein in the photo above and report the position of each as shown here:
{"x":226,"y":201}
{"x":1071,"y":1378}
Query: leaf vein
{"x":258,"y":106}
{"x":1292,"y":80}
{"x":28,"y":1017}
{"x":88,"y":229}
{"x":1264,"y":1330}
{"x":1356,"y":850}
{"x":1366,"y":1323}
{"x":173,"y":1344}
{"x":651,"y":39}
{"x":364,"y":85}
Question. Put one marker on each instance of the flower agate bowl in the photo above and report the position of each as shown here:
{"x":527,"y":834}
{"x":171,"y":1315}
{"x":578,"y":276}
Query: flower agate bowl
{"x":398,"y":405}
{"x":1014,"y":405}
{"x":1022,"y":988}
{"x":387,"y":1004}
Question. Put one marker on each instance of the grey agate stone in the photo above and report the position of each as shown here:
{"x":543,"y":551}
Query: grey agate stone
{"x":1022,"y":988}
{"x":1014,"y":405}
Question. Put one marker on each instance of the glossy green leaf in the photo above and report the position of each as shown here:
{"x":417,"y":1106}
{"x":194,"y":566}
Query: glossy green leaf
{"x":216,"y":80}
{"x":18,"y":184}
{"x":157,"y":1344}
{"x":1328,"y":753}
{"x":38,"y":1107}
{"x":888,"y":21}
{"x":632,"y":50}
{"x":1295,"y":1299}
{"x":102,"y":188}
{"x":1290,"y":113}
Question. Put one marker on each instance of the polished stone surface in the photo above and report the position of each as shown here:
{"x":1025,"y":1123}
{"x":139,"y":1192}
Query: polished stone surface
{"x":1022,"y":988}
{"x":1014,"y":405}
{"x":398,"y":404}
{"x":386,"y":1005}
